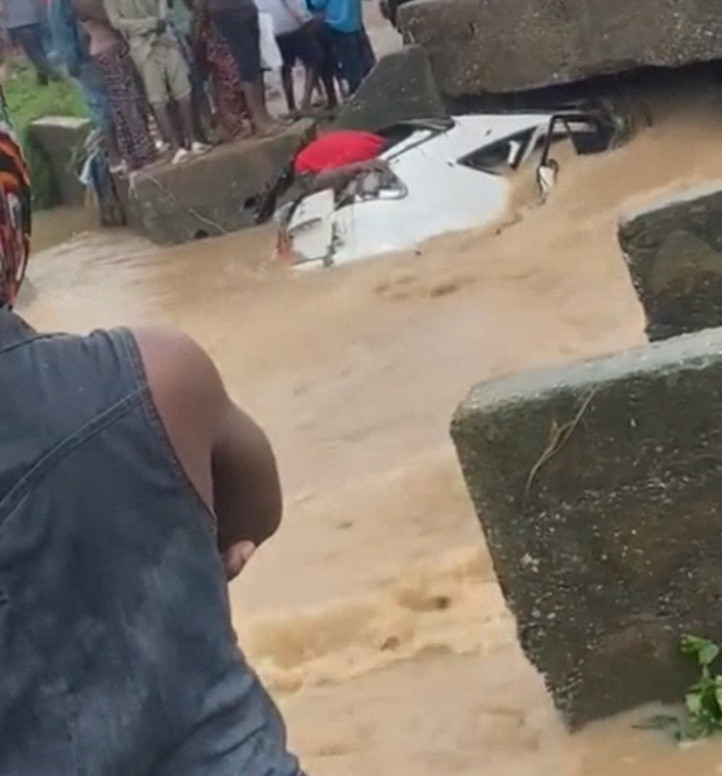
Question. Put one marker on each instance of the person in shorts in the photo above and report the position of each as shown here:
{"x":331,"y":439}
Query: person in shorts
{"x":295,"y":31}
{"x":162,"y":67}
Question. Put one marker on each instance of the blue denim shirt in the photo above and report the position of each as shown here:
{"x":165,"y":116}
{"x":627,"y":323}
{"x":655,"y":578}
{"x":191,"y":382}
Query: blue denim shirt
{"x":117,"y":652}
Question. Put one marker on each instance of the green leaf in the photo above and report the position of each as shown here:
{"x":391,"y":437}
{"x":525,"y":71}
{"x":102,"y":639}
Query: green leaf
{"x":707,"y":653}
{"x":693,"y":702}
{"x":703,"y":699}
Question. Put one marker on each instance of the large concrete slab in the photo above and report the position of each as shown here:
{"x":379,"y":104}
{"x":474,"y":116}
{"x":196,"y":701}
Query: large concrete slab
{"x":212,"y":194}
{"x":400,"y":87}
{"x":673,"y":250}
{"x":479,"y":46}
{"x":61,"y":140}
{"x":598,"y":487}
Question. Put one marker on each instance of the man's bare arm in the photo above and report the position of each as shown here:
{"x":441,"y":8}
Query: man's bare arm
{"x":223,"y":451}
{"x":339,"y":177}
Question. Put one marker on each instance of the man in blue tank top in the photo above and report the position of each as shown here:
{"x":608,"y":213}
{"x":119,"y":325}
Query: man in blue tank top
{"x":131,"y":489}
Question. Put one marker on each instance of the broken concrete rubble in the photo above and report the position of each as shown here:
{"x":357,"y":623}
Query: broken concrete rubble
{"x":597,"y":487}
{"x":673,"y":249}
{"x":213,"y":194}
{"x":400,"y":87}
{"x":479,"y":46}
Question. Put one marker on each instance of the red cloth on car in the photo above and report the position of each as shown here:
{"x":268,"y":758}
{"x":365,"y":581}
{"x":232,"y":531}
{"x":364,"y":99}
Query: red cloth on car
{"x":337,"y":149}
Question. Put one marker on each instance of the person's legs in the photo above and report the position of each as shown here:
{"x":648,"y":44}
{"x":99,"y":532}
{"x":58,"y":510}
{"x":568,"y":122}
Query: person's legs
{"x":351,"y":52}
{"x":322,"y":35}
{"x":97,"y":104}
{"x":131,"y":132}
{"x":288,"y":90}
{"x":242,"y":35}
{"x":177,"y":77}
{"x":152,"y":72}
{"x":308,"y":50}
{"x":285,"y":46}
{"x":368,"y":56}
{"x":202,"y":120}
{"x":30,"y":39}
{"x":163,"y":116}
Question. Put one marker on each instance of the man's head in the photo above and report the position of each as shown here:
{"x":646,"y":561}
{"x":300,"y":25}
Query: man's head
{"x":15,"y":215}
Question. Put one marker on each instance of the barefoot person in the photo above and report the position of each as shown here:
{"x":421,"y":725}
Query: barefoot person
{"x":216,"y":63}
{"x":131,"y":489}
{"x":295,"y":31}
{"x":236,"y":21}
{"x":162,"y":66}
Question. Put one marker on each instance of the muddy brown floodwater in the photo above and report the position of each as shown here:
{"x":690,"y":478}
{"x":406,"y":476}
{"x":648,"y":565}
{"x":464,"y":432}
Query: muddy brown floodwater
{"x":374,"y":615}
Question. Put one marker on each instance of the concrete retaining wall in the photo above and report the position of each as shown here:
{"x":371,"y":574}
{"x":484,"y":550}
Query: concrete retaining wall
{"x":212,"y":194}
{"x":400,"y":87}
{"x":673,"y":249}
{"x":479,"y":46}
{"x":598,"y":488}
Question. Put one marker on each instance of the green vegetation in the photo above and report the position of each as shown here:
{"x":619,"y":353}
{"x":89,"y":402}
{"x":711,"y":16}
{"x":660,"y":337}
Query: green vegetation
{"x":29,"y":101}
{"x":704,"y":698}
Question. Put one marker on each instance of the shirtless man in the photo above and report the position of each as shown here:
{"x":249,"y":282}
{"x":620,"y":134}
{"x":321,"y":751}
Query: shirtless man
{"x":131,"y":488}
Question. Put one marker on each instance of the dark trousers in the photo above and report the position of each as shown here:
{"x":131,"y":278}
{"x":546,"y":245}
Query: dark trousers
{"x":30,"y":40}
{"x":354,"y":55}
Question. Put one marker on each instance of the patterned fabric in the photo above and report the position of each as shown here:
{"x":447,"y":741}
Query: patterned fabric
{"x":131,"y":131}
{"x":15,"y":212}
{"x":216,"y":61}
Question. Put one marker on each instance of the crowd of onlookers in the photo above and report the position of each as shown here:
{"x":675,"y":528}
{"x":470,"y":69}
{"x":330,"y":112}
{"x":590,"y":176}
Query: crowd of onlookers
{"x":165,"y":78}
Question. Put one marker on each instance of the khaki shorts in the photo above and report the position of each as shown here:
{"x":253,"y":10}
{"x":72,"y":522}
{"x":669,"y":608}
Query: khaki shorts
{"x":165,"y":74}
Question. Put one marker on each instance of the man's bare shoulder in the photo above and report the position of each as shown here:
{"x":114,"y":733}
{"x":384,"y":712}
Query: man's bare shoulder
{"x":189,"y":396}
{"x":178,"y":369}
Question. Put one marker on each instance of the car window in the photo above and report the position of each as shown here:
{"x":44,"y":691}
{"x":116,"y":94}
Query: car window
{"x":495,"y":158}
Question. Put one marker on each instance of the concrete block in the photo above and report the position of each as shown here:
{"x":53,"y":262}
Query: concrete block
{"x":673,"y":250}
{"x":61,"y":140}
{"x":479,"y":46}
{"x":597,"y":486}
{"x":211,"y":194}
{"x":399,"y":88}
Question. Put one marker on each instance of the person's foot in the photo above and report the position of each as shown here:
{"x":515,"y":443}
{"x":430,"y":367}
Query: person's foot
{"x":181,"y":155}
{"x":198,"y":148}
{"x":42,"y":79}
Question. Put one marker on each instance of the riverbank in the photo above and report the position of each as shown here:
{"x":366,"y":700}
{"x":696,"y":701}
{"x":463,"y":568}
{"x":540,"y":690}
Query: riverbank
{"x":28,"y":101}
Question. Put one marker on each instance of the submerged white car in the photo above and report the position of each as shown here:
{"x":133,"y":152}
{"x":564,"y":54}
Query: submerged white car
{"x":444,"y":175}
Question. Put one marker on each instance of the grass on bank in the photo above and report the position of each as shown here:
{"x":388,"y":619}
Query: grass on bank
{"x":28,"y":101}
